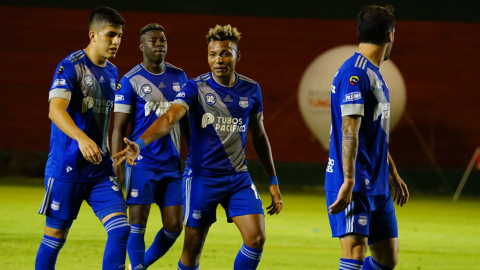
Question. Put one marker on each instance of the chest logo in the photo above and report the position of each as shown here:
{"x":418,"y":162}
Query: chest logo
{"x":112,"y":84}
{"x":244,"y":103}
{"x":176,"y":86}
{"x":147,"y":89}
{"x":88,"y":80}
{"x":210,"y":99}
{"x":228,"y":99}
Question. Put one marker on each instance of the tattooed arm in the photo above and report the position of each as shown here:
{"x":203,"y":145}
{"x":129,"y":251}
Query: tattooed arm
{"x":350,"y":128}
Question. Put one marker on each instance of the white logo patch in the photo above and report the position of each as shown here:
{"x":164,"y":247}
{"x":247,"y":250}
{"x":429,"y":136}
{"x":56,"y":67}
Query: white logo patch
{"x":207,"y":119}
{"x":197,"y":214}
{"x":88,"y":81}
{"x":210,"y":99}
{"x":119,"y":98}
{"x":330,"y":165}
{"x":69,"y":169}
{"x":55,"y":206}
{"x":147,"y":89}
{"x":352,"y":96}
{"x":333,"y":89}
{"x":59,"y":82}
{"x":244,"y":102}
{"x":112,"y":84}
{"x":116,"y":186}
{"x":176,"y":87}
{"x":181,"y":94}
{"x":102,"y":80}
{"x":362,"y":220}
{"x":140,"y":157}
{"x":134,"y":193}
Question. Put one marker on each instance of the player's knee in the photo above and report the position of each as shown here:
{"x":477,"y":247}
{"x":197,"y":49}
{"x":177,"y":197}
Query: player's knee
{"x":175,"y":228}
{"x":256,"y":241}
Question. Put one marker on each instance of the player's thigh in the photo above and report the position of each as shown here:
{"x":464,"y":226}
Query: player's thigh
{"x":354,"y":246}
{"x":252,"y":228}
{"x":355,"y":219}
{"x":201,"y":196}
{"x":62,"y":199}
{"x":383,"y":224}
{"x":168,"y":191}
{"x":106,"y":198}
{"x":141,"y":186}
{"x":243,"y":199}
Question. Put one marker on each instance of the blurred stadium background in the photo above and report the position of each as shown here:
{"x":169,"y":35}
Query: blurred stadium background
{"x":436,"y":49}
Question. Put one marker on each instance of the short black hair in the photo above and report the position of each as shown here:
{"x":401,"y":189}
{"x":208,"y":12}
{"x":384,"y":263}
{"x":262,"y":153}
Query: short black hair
{"x":373,"y":24}
{"x":150,"y":27}
{"x":106,"y":15}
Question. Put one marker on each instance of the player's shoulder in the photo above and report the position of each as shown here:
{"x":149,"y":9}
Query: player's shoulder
{"x":203,"y":78}
{"x":173,"y":69}
{"x":134,"y":71}
{"x":75,"y":58}
{"x":247,"y":80}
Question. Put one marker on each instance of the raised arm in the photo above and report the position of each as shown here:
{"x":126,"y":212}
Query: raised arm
{"x":119,"y":131}
{"x":264,"y":153}
{"x":59,"y":116}
{"x":400,"y":189}
{"x":350,"y":128}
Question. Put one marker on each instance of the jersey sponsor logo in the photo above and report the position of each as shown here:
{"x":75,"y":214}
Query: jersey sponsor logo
{"x":352,"y":96}
{"x":244,"y":102}
{"x":197,"y":214}
{"x":210,"y":99}
{"x":382,"y":109}
{"x":207,"y":119}
{"x":362,"y":220}
{"x":59,"y":82}
{"x":220,"y":123}
{"x":102,"y":80}
{"x":112,"y":83}
{"x":176,"y":87}
{"x":87,"y":104}
{"x":333,"y":89}
{"x":161,"y":85}
{"x":181,"y":94}
{"x":330,"y":165}
{"x":119,"y":98}
{"x":147,"y":89}
{"x":119,"y":86}
{"x":102,"y":106}
{"x":160,"y":107}
{"x":134,"y":193}
{"x":353,"y":80}
{"x":228,"y":99}
{"x":55,"y":205}
{"x":60,"y":70}
{"x":88,"y":80}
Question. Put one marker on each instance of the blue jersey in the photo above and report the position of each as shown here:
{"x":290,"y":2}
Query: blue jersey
{"x":359,"y":89}
{"x":147,"y":96}
{"x":219,"y":117}
{"x":90,"y":91}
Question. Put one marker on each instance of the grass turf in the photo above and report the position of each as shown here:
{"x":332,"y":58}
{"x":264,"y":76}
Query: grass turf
{"x":434,"y":234}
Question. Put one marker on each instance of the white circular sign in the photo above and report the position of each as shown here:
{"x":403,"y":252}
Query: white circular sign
{"x":315,"y":87}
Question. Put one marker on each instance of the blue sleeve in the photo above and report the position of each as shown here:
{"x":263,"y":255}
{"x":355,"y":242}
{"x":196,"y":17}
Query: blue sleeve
{"x":187,"y":95}
{"x":124,"y":96}
{"x":184,"y":80}
{"x":353,"y":86}
{"x":257,"y":108}
{"x":64,"y":81}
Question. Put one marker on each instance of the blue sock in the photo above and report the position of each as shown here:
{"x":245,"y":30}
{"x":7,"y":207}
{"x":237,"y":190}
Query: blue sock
{"x":247,"y":258}
{"x":371,"y":264}
{"x":48,"y":252}
{"x":348,"y":264}
{"x":162,"y":243}
{"x":115,"y":253}
{"x":183,"y":267}
{"x":136,"y":246}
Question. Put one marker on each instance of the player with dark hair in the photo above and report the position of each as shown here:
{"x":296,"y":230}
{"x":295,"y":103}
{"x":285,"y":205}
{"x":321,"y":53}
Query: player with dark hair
{"x":361,"y":212}
{"x":79,"y":166}
{"x":222,"y":104}
{"x":144,"y":94}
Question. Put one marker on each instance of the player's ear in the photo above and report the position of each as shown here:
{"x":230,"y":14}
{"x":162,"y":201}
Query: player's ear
{"x":390,"y":36}
{"x":91,"y":35}
{"x":239,"y":55}
{"x":141,"y":47}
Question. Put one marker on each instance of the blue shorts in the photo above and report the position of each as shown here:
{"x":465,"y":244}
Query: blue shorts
{"x":373,"y":216}
{"x":147,"y":187}
{"x":63,"y":199}
{"x":201,"y":195}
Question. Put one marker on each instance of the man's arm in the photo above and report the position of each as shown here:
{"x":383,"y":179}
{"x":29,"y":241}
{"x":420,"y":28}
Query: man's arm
{"x":400,"y":189}
{"x":158,"y":129}
{"x":185,"y":130}
{"x":119,"y":130}
{"x":59,"y":116}
{"x":350,"y":128}
{"x":264,"y":153}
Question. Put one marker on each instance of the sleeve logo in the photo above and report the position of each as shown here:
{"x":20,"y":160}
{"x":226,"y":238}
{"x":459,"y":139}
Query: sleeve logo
{"x":119,"y":98}
{"x":354,"y":80}
{"x":352,"y":96}
{"x":60,"y":70}
{"x":180,"y":95}
{"x":118,"y":87}
{"x":59,"y":82}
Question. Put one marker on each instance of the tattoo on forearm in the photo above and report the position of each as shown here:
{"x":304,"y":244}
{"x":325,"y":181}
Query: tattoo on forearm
{"x":350,"y":127}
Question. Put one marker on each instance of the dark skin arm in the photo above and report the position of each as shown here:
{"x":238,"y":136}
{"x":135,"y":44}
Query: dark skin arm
{"x":350,"y":128}
{"x":158,"y":129}
{"x":400,"y":189}
{"x":185,"y":130}
{"x":262,"y":147}
{"x":119,"y":131}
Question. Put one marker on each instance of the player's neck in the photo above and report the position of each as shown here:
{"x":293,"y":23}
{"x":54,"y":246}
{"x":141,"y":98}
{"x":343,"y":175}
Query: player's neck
{"x":155,"y":68}
{"x":374,"y":53}
{"x":227,"y":80}
{"x":95,"y":57}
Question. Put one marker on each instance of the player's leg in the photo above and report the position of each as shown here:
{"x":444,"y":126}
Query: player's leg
{"x":168,"y":196}
{"x":61,"y":204}
{"x":383,"y":239}
{"x":192,"y":247}
{"x":244,"y":207}
{"x":106,"y":199}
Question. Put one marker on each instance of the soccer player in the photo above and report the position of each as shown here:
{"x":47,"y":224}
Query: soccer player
{"x":222,"y":104}
{"x":144,"y":94}
{"x":79,"y":166}
{"x":360,"y":210}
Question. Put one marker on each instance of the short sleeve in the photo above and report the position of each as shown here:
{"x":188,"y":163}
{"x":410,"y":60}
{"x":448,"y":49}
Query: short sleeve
{"x":256,"y":114}
{"x":64,"y":81}
{"x":187,"y":95}
{"x":124,"y":98}
{"x":353,"y":86}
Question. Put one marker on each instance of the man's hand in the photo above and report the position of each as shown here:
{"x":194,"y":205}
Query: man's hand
{"x":277,"y":204}
{"x":344,"y":197}
{"x":400,"y":190}
{"x":90,"y":150}
{"x":119,"y":171}
{"x":130,"y":153}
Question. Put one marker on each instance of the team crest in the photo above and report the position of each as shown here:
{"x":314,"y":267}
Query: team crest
{"x":134,"y":193}
{"x":210,"y":99}
{"x":88,"y":80}
{"x":55,"y":206}
{"x":354,"y":80}
{"x":362,"y":220}
{"x":197,"y":214}
{"x":112,"y":84}
{"x":147,"y":89}
{"x":244,"y":102}
{"x":176,"y":87}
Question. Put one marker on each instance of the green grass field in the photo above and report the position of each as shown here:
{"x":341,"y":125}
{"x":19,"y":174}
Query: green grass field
{"x":434,"y":234}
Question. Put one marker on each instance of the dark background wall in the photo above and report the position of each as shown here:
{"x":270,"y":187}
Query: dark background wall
{"x":439,"y":62}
